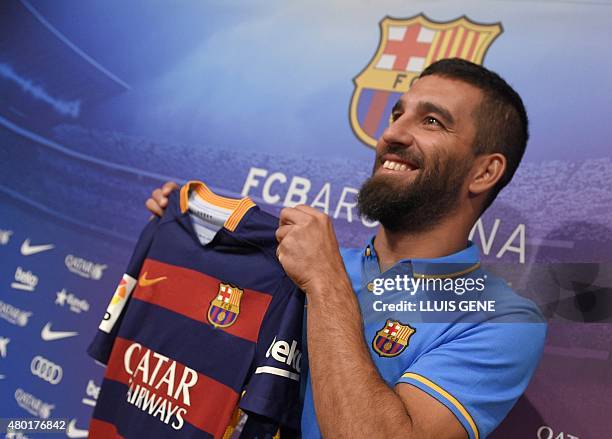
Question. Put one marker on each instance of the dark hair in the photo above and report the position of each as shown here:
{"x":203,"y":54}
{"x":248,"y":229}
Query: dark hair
{"x":501,"y":119}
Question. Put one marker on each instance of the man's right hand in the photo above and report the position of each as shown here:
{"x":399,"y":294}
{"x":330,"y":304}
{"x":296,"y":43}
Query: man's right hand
{"x":159,"y":198}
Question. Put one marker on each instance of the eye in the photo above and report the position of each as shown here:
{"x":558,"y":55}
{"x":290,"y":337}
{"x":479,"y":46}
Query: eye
{"x":430,"y":120}
{"x":394,"y":116}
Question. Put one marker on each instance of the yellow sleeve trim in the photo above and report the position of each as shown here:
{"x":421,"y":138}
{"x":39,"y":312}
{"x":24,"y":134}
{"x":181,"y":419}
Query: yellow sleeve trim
{"x":448,"y":396}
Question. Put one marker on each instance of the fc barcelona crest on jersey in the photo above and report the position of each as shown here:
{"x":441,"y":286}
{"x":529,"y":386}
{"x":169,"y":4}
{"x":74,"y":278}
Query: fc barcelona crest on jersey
{"x":392,"y":339}
{"x":224,"y":308}
{"x":405,"y":48}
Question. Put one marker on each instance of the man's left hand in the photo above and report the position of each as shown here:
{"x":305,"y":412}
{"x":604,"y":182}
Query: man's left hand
{"x":308,"y":249}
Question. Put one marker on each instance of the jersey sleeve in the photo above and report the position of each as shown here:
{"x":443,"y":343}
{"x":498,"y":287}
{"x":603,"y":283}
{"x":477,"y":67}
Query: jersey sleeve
{"x":481,"y":373}
{"x":102,"y":344}
{"x":274,"y":386}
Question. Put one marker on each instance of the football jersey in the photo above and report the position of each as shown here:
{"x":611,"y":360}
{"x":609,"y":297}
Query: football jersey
{"x":204,"y":321}
{"x":475,"y":363}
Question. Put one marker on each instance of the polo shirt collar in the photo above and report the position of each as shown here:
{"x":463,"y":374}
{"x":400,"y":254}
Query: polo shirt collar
{"x":456,"y":264}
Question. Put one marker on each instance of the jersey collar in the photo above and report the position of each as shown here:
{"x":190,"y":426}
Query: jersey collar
{"x":239,"y":207}
{"x":457,"y":264}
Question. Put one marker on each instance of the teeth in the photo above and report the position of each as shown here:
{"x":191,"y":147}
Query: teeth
{"x":389,"y":164}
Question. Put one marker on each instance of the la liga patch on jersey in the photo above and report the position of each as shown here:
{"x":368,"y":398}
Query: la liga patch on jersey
{"x":392,"y":339}
{"x":117,"y":303}
{"x":224,"y":308}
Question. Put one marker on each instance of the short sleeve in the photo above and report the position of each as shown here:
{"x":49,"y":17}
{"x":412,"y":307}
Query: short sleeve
{"x":273,"y":389}
{"x":480,"y":373}
{"x":102,"y":344}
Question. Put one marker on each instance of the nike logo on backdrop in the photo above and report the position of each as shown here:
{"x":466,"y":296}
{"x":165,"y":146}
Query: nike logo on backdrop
{"x":27,"y":249}
{"x":49,"y":335}
{"x":144,"y":282}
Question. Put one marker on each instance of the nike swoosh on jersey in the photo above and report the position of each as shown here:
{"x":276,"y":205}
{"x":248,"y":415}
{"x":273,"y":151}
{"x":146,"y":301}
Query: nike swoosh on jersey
{"x":144,"y":282}
{"x":73,"y":432}
{"x":49,"y":335}
{"x":27,"y":249}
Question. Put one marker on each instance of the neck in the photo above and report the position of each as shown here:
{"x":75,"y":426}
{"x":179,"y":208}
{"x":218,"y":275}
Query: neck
{"x":448,"y":237}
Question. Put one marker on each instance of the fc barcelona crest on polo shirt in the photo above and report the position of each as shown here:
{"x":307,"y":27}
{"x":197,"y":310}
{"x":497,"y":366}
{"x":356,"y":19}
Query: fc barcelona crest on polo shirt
{"x":392,"y":339}
{"x":224,"y":308}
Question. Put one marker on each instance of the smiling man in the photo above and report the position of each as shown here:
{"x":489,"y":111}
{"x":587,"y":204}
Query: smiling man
{"x":454,"y":141}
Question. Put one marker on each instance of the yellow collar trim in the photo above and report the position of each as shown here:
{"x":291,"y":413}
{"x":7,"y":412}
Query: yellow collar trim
{"x":445,"y":275}
{"x":239,"y":207}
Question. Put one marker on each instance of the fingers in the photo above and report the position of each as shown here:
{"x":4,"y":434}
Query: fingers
{"x":310,"y":210}
{"x":153,"y":207}
{"x":168,"y":187}
{"x":282,"y":231}
{"x":159,"y":197}
{"x":299,"y":214}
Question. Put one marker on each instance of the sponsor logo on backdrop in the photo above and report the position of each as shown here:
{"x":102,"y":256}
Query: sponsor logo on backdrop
{"x":5,"y":236}
{"x":14,"y":315}
{"x":92,"y":391}
{"x":405,"y":48}
{"x":48,"y":334}
{"x":46,"y":370}
{"x":146,"y":384}
{"x":24,"y":280}
{"x":74,"y":432}
{"x":118,"y":301}
{"x":84,"y":268}
{"x":28,"y":249}
{"x":4,"y":341}
{"x":75,"y":304}
{"x":284,"y":353}
{"x":32,"y":404}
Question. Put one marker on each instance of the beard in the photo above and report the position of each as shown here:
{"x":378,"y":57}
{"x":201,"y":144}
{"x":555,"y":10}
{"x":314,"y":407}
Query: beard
{"x":418,"y":205}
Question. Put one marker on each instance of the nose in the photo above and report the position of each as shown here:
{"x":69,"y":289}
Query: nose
{"x":398,"y":132}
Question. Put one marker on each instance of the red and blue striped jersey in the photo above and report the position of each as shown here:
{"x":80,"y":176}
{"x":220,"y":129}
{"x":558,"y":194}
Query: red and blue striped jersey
{"x":195,"y":330}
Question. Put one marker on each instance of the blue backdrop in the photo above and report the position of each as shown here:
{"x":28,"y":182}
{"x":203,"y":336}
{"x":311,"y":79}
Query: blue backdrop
{"x":102,"y":101}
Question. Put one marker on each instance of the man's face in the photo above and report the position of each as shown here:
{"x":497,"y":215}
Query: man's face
{"x":424,"y":157}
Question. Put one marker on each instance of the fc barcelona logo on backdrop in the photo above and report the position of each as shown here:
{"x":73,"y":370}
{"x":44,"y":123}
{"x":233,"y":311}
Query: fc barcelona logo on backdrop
{"x":392,"y":339}
{"x":224,"y":308}
{"x":405,"y":48}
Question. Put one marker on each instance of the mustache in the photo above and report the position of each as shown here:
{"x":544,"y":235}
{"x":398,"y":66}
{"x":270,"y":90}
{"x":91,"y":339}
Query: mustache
{"x":407,"y":154}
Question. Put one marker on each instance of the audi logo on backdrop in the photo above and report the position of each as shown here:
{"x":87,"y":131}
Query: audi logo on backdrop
{"x":46,"y":370}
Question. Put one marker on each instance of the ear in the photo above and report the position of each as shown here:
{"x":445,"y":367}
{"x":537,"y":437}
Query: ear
{"x":487,"y":170}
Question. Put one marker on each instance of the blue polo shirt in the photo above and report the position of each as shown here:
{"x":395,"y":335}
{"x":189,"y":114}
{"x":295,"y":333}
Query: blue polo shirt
{"x":474,"y":351}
